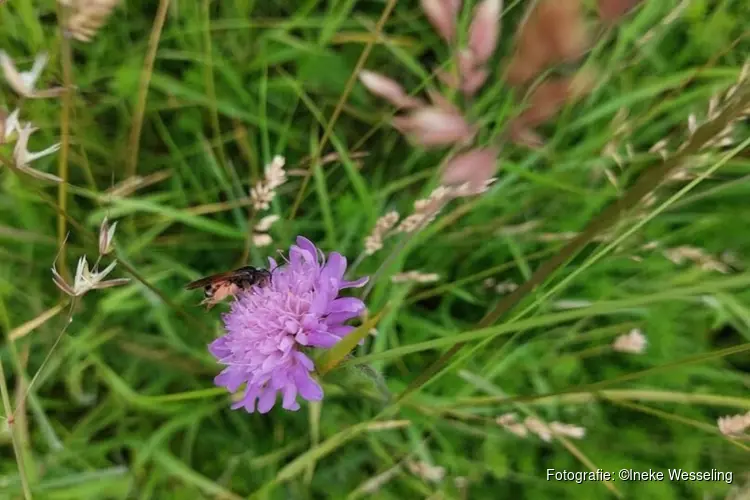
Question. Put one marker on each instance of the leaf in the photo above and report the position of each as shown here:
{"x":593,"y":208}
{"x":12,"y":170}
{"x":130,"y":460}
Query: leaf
{"x":337,"y":353}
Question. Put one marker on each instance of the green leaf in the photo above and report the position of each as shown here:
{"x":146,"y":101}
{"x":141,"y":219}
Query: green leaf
{"x":337,"y":353}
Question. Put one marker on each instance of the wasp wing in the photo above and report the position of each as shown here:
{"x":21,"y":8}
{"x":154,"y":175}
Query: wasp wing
{"x":210,"y":280}
{"x":241,"y":273}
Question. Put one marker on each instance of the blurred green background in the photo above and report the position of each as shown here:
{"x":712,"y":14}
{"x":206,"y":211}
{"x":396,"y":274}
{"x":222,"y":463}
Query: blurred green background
{"x":125,"y":405}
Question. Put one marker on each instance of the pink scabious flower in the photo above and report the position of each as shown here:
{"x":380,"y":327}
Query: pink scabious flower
{"x":268,"y":328}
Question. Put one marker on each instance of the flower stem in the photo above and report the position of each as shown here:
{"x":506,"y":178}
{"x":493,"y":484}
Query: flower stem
{"x":140,"y":106}
{"x":62,"y":165}
{"x":16,"y":445}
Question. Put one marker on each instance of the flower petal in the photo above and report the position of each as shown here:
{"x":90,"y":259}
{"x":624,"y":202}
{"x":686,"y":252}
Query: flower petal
{"x":289,"y":401}
{"x":346,"y":304}
{"x":248,"y":401}
{"x":303,"y":360}
{"x":308,"y":246}
{"x":266,"y":401}
{"x":323,"y":340}
{"x":334,"y":268}
{"x":307,"y":387}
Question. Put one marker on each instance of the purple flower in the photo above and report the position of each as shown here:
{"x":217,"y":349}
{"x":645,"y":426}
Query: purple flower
{"x":268,"y":326}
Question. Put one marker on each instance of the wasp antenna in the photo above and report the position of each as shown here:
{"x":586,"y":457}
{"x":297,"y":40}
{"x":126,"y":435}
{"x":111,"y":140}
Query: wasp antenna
{"x":283,"y":257}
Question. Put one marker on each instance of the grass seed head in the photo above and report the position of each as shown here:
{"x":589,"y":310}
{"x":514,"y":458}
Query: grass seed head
{"x":87,"y":17}
{"x":264,"y":192}
{"x":633,"y":342}
{"x":384,"y":224}
{"x":734,"y":425}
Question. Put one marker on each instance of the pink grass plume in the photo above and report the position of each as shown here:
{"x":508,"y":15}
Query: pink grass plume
{"x":388,"y":89}
{"x":475,"y":168}
{"x":484,"y":31}
{"x":443,"y":15}
{"x":433,"y":126}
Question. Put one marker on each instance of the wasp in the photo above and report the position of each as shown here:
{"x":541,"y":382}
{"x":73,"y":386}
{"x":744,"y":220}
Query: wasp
{"x":219,"y":286}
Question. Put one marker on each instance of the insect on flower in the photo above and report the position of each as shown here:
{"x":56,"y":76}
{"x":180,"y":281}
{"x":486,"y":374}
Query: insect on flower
{"x":219,"y":286}
{"x":270,"y":330}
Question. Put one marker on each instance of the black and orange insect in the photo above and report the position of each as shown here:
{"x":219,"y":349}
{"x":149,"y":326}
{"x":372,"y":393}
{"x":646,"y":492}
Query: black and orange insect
{"x":219,"y":286}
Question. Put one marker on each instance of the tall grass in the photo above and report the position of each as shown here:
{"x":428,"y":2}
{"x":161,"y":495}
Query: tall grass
{"x":628,"y":217}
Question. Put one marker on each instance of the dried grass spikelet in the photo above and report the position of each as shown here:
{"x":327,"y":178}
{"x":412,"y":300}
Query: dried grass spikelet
{"x":501,"y":288}
{"x":261,"y":238}
{"x":567,"y":430}
{"x":735,"y":425}
{"x":24,"y":82}
{"x":428,"y":472}
{"x":538,"y":427}
{"x":375,"y":483}
{"x":87,"y":16}
{"x":263,"y":192}
{"x":545,"y":431}
{"x":86,"y":279}
{"x":383,"y":226}
{"x":9,"y":125}
{"x":620,"y":128}
{"x":633,"y":342}
{"x":554,"y":31}
{"x":415,"y":277}
{"x":698,"y":256}
{"x":106,"y":236}
{"x":425,"y":210}
{"x":22,"y":157}
{"x":509,"y":421}
{"x":506,"y":286}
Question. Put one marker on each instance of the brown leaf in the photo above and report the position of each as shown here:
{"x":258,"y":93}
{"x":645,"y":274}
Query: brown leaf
{"x":610,"y":11}
{"x":547,"y":99}
{"x":545,"y":102}
{"x":553,"y":32}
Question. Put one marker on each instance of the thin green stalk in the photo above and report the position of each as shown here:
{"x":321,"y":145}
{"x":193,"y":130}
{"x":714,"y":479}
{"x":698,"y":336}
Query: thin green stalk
{"x":14,"y":438}
{"x":148,"y":68}
{"x":210,"y":86}
{"x":62,"y":162}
